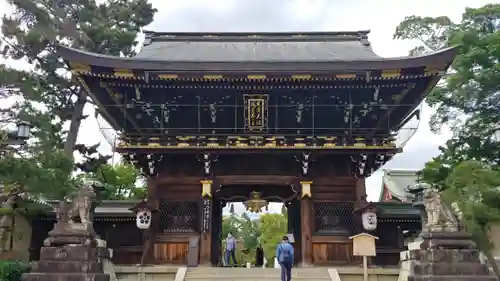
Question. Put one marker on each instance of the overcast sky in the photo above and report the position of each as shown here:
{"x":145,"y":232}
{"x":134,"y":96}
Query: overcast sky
{"x":381,"y":17}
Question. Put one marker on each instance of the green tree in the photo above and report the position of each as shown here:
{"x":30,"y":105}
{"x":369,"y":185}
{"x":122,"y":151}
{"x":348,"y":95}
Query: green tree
{"x":121,"y":181}
{"x":267,"y":230}
{"x":48,"y":95}
{"x":273,"y":227}
{"x":469,"y":99}
{"x":231,"y":224}
{"x":32,"y":34}
{"x":475,"y":187}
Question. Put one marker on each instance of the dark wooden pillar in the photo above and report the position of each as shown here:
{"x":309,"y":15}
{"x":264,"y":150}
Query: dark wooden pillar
{"x":359,"y":203}
{"x":206,"y":225}
{"x":360,"y":192}
{"x":216,"y":231}
{"x":306,"y":223}
{"x":149,"y":237}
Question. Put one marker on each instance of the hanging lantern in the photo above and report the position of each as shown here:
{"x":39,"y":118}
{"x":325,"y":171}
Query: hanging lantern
{"x":143,"y":215}
{"x":256,"y":203}
{"x":368,"y":216}
{"x":143,"y":219}
{"x":284,"y":209}
{"x":231,"y":208}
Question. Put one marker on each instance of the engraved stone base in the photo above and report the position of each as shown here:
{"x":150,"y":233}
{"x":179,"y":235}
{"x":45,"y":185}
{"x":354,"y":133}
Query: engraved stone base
{"x":69,"y":263}
{"x":446,"y":240}
{"x":446,"y":256}
{"x":71,"y":233}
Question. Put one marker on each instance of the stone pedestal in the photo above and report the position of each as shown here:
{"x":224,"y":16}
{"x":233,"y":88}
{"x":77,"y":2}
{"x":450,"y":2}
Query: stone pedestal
{"x":71,"y":234}
{"x":71,"y":253}
{"x":446,"y":256}
{"x":69,"y":263}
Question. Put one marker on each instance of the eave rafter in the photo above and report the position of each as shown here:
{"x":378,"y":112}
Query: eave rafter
{"x":147,"y":76}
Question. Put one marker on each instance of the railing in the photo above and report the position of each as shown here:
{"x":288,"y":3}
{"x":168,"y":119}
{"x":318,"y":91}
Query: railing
{"x":401,"y":135}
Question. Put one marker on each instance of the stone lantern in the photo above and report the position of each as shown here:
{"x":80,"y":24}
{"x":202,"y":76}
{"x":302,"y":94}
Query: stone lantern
{"x":417,"y":191}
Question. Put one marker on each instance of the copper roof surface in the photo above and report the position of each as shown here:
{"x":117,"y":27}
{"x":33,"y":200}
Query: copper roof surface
{"x":259,"y":52}
{"x":232,"y":47}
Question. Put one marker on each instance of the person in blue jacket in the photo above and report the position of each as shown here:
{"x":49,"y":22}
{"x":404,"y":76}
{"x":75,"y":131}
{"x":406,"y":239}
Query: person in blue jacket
{"x":284,"y":254}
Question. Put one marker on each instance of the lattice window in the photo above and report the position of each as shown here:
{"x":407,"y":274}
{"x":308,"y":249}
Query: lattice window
{"x":334,"y":218}
{"x":179,"y":216}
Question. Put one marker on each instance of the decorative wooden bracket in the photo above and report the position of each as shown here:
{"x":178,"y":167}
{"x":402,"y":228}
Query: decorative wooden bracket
{"x":206,"y":188}
{"x":305,"y":161}
{"x":207,"y":159}
{"x":305,"y":189}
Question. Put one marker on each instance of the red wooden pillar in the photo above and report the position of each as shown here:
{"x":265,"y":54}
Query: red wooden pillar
{"x":306,"y":223}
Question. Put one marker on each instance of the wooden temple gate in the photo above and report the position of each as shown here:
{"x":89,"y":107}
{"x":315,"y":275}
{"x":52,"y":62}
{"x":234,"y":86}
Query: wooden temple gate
{"x":316,"y":112}
{"x":189,"y":208}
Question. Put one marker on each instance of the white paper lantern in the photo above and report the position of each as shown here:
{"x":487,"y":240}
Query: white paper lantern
{"x":369,"y":220}
{"x":143,"y":219}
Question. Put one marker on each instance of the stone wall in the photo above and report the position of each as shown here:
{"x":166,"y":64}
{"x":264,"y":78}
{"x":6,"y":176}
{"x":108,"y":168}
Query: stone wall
{"x":20,"y":241}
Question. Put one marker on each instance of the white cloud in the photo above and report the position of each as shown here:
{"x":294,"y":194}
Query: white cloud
{"x":309,"y":15}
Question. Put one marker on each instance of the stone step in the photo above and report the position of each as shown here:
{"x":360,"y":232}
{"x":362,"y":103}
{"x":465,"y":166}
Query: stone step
{"x":464,"y":268}
{"x":451,"y":278}
{"x":48,"y":266}
{"x":258,"y":272}
{"x":256,"y":275}
{"x":218,"y":270}
{"x":64,"y":276}
{"x":222,"y":277}
{"x":252,"y":278}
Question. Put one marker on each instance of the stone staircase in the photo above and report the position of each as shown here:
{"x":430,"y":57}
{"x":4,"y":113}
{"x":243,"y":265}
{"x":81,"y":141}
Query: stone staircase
{"x":253,"y":274}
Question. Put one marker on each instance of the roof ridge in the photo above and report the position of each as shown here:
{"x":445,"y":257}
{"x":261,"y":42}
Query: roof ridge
{"x":362,"y":36}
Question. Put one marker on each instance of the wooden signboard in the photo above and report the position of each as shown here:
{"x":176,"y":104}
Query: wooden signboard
{"x":363,"y":244}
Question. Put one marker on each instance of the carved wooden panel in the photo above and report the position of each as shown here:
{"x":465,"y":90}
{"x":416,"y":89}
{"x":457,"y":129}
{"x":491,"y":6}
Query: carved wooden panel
{"x":171,"y":252}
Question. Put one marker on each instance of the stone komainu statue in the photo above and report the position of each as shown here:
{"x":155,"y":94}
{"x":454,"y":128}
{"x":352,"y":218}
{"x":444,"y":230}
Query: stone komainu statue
{"x":80,"y":206}
{"x":66,"y":231}
{"x":440,"y":216}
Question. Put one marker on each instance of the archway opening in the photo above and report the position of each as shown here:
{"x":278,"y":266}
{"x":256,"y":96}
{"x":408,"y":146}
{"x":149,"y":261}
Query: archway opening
{"x":257,"y":217}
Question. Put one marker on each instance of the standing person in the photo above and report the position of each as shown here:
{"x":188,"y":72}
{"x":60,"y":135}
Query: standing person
{"x":284,"y":255}
{"x":230,"y":249}
{"x":259,"y":256}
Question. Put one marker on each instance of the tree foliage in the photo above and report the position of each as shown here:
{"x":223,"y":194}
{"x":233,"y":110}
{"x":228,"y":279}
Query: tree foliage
{"x":468,"y":100}
{"x":476,"y":188}
{"x":267,"y":230}
{"x":121,"y":182}
{"x":48,"y":95}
